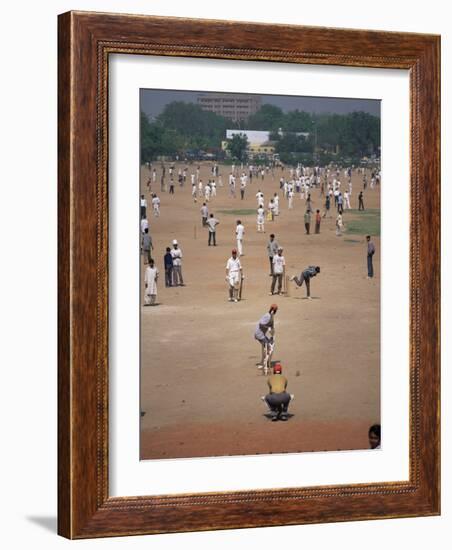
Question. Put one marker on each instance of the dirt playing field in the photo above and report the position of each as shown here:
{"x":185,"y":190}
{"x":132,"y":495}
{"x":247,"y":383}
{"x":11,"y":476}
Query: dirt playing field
{"x":200,"y":388}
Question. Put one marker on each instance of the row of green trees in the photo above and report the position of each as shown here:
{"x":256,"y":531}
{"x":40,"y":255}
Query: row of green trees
{"x":185,"y":126}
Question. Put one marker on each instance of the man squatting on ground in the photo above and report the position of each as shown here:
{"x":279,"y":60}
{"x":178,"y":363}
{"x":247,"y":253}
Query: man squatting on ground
{"x":277,"y":399}
{"x":266,"y":324}
{"x":306,"y":276}
{"x":233,"y":276}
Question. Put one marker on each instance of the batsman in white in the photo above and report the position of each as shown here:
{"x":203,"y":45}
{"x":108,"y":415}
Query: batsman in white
{"x":234,"y":275}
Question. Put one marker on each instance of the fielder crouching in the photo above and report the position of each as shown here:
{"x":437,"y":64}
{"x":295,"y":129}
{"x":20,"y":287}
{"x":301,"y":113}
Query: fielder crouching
{"x":278,"y":399}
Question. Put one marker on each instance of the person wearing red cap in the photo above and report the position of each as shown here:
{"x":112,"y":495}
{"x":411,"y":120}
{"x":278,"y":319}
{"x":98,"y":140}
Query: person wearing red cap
{"x":265,"y":326}
{"x":234,"y":274}
{"x":277,"y":399}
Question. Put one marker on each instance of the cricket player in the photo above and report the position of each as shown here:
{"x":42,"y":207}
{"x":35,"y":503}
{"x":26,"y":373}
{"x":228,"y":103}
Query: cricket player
{"x":277,"y":400}
{"x":260,"y":220}
{"x":156,"y":205}
{"x":144,"y":224}
{"x":339,"y":225}
{"x":271,"y":210}
{"x":176,"y":254}
{"x":204,"y":214}
{"x":260,"y":199}
{"x":347,"y":200}
{"x":272,"y":250}
{"x":150,"y":284}
{"x":243,"y":179}
{"x":279,"y":266}
{"x":276,"y":203}
{"x":234,"y":275}
{"x":239,"y":232}
{"x":265,"y":326}
{"x":207,"y":191}
{"x":212,"y":223}
{"x":306,"y":276}
{"x":232,"y":185}
{"x":143,"y":207}
{"x":146,"y":246}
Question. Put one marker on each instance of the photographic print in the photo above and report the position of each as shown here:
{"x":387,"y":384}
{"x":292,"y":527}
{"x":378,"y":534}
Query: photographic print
{"x":259,"y":229}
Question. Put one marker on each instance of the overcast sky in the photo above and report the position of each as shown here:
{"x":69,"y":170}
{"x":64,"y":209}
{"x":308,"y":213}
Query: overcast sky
{"x":154,"y":101}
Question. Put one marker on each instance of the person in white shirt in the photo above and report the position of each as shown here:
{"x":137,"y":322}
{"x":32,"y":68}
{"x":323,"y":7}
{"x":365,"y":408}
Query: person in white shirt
{"x":260,"y":199}
{"x":276,"y":203}
{"x":207,"y":192}
{"x":150,"y":284}
{"x":192,"y":178}
{"x":156,"y":205}
{"x":234,"y":275}
{"x":279,"y":266}
{"x":193,"y":192}
{"x":204,"y":214}
{"x":200,"y":188}
{"x":271,"y":210}
{"x":213,"y":188}
{"x":347,"y":200}
{"x":144,"y":224}
{"x":143,"y":207}
{"x":260,"y":220}
{"x":176,"y":254}
{"x":290,"y":197}
{"x":232,"y":185}
{"x":239,"y":232}
{"x":212,"y":223}
{"x":243,"y":179}
{"x":285,"y":188}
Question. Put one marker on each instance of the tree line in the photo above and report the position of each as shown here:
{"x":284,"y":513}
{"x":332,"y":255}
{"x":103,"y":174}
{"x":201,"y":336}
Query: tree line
{"x":184,"y":127}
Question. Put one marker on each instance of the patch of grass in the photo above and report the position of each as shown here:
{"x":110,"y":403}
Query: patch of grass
{"x":243,"y":212}
{"x":365,"y":222}
{"x":351,"y":241}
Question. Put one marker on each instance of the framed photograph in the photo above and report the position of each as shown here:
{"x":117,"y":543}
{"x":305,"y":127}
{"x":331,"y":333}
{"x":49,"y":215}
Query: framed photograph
{"x":248,"y":275}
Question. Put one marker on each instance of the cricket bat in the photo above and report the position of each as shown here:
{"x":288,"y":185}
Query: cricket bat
{"x":241,"y":287}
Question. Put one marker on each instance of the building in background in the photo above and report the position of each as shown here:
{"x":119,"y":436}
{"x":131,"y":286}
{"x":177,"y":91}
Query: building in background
{"x":259,"y":144}
{"x":237,"y":107}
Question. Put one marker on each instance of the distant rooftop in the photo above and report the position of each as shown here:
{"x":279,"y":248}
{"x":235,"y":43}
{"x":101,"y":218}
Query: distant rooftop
{"x":254,"y":136}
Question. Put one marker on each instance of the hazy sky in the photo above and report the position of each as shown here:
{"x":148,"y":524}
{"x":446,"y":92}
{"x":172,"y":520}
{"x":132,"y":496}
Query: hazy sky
{"x":154,"y":101}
